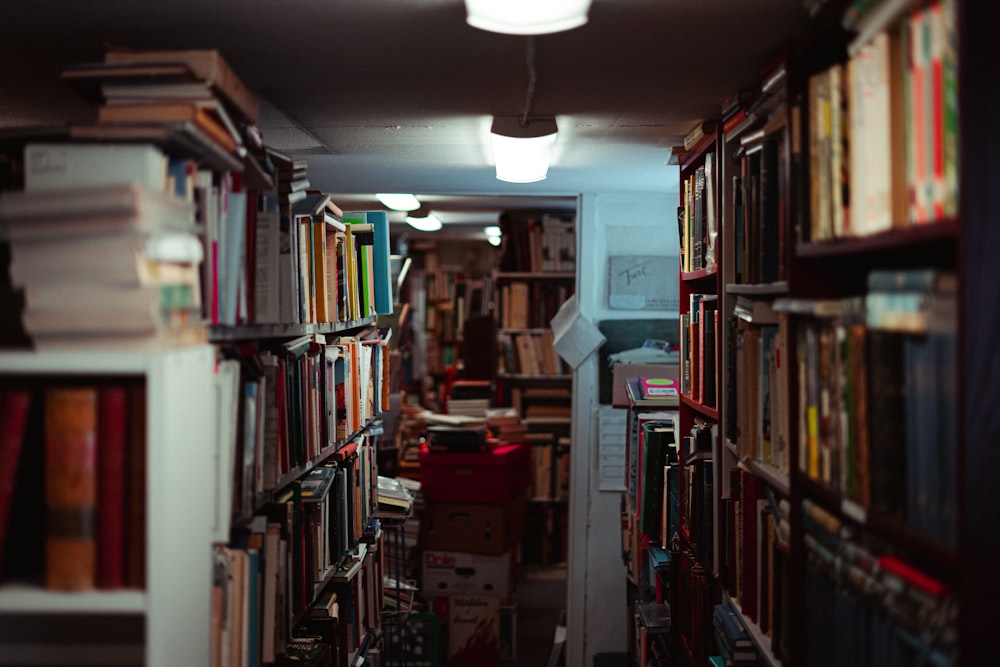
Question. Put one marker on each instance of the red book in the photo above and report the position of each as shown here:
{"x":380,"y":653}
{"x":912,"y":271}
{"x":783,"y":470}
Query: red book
{"x":111,"y":446}
{"x":751,"y":492}
{"x":70,"y":487}
{"x":14,"y":407}
{"x":134,"y":518}
{"x":660,"y":388}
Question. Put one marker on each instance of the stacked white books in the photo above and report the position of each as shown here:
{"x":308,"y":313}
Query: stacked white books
{"x":105,"y":248}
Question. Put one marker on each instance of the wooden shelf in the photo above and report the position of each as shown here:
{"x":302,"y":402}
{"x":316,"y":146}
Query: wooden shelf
{"x":220,"y":334}
{"x":535,"y":275}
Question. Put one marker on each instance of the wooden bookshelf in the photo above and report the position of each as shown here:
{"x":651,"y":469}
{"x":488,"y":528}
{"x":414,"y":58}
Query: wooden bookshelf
{"x":800,"y":310}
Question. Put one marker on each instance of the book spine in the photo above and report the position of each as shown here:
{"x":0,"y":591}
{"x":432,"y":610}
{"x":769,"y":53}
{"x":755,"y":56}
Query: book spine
{"x":70,"y":487}
{"x":15,"y":405}
{"x":111,"y":445}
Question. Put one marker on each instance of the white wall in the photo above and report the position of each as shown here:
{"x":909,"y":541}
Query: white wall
{"x":595,"y":606}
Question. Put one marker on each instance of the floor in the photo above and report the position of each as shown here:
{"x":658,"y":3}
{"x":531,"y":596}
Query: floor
{"x":541,"y":601}
{"x":540,"y":595}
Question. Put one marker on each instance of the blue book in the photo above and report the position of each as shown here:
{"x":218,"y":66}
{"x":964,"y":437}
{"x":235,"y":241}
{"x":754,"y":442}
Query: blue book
{"x":382,"y":267}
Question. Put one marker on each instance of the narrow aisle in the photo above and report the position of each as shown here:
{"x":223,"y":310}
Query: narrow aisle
{"x":541,"y":599}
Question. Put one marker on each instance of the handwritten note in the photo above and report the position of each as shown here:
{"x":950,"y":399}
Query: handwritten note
{"x":642,"y":282}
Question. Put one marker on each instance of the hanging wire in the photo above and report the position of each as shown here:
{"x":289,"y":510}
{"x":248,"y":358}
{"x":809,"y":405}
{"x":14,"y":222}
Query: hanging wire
{"x":530,"y":60}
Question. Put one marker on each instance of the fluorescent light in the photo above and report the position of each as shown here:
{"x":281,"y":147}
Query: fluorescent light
{"x":427,"y":224}
{"x":526,"y":17}
{"x":522,"y":152}
{"x":398,"y":201}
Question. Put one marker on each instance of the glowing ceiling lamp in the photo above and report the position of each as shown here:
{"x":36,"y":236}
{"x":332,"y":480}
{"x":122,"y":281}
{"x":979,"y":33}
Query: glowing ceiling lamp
{"x":398,"y":201}
{"x":526,"y":17}
{"x":493,"y":234}
{"x":522,"y":151}
{"x":424,"y":221}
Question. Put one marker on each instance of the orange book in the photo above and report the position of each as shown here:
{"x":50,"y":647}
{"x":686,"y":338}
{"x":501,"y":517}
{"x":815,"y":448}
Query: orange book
{"x":209,"y":117}
{"x":70,"y":487}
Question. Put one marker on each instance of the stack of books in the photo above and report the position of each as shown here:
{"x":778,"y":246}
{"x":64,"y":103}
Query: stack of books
{"x":188,"y":99}
{"x":470,"y":398}
{"x":105,"y":251}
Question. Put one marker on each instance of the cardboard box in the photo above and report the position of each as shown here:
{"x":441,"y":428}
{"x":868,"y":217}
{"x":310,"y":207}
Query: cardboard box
{"x":620,"y":372}
{"x":474,"y":630}
{"x":490,"y":477}
{"x":481,"y":528}
{"x":459,"y":572}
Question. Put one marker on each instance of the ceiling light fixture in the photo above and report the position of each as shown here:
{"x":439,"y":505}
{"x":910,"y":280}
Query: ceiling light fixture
{"x":522,"y":152}
{"x":424,"y":221}
{"x":493,"y":234}
{"x":522,"y":146}
{"x":526,"y":17}
{"x":398,"y":201}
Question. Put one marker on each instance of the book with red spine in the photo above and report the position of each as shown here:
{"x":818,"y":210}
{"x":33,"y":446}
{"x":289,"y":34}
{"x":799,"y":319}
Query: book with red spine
{"x":111,"y":448}
{"x":15,"y":404}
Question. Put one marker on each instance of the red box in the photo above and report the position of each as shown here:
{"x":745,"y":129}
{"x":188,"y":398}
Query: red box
{"x":491,"y":477}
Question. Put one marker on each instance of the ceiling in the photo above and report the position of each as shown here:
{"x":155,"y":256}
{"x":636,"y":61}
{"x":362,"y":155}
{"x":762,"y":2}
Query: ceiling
{"x":398,"y":95}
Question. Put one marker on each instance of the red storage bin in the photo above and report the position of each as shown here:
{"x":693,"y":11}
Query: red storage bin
{"x":490,"y":477}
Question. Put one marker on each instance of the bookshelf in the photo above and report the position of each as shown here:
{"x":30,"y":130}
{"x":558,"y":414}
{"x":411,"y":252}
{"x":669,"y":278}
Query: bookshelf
{"x":534,"y":276}
{"x":302,"y":407}
{"x":692,"y":587}
{"x":753,"y":462}
{"x":174,"y":530}
{"x":651,"y":521}
{"x":447,"y":297}
{"x":851,"y":335}
{"x":248,"y":438}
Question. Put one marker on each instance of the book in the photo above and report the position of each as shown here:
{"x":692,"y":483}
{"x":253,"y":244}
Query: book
{"x":112,"y":404}
{"x":115,"y":259}
{"x":135,"y":488}
{"x":209,"y":117}
{"x":392,"y":495}
{"x":180,"y":137}
{"x":49,"y":166}
{"x":70,"y":487}
{"x":667,"y":389}
{"x":81,"y":211}
{"x":658,"y":450}
{"x":14,"y":408}
{"x":135,"y":92}
{"x":206,"y":64}
{"x":381,"y":267}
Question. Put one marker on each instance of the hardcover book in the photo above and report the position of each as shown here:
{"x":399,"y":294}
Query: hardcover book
{"x":14,"y":409}
{"x":70,"y":487}
{"x":112,"y":434}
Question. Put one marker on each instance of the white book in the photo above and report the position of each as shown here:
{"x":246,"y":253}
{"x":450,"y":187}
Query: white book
{"x":49,"y":166}
{"x":267,"y":268}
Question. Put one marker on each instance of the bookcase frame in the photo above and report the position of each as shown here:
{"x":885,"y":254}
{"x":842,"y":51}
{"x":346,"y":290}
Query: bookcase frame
{"x":181,"y":455}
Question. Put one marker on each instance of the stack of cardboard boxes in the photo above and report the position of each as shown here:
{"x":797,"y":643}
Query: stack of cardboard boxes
{"x":470,"y":533}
